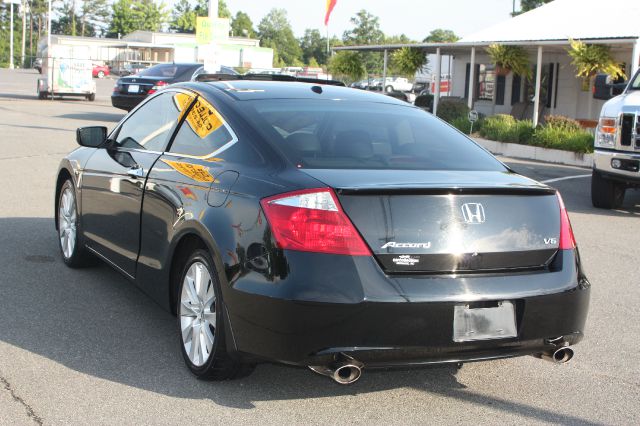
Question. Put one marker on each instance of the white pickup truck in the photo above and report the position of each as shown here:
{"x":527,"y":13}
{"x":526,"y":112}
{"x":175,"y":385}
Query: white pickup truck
{"x":397,"y":84}
{"x":616,"y":165}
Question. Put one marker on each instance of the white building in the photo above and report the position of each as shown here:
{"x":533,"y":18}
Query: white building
{"x":149,"y":48}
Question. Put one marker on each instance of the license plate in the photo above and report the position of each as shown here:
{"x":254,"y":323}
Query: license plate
{"x":133,"y":88}
{"x":484,"y":323}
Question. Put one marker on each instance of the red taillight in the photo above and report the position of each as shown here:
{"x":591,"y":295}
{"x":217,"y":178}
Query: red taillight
{"x":312,"y":220}
{"x":567,"y":240}
{"x":159,"y":85}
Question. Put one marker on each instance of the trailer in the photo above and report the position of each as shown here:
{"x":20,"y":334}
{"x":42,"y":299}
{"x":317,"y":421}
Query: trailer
{"x":66,"y":71}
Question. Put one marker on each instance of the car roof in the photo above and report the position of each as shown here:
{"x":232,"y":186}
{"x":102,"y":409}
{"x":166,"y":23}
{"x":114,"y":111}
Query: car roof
{"x":244,"y":90}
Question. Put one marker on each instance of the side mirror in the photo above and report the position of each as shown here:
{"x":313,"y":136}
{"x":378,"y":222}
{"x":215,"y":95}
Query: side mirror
{"x":92,"y":136}
{"x":604,"y":89}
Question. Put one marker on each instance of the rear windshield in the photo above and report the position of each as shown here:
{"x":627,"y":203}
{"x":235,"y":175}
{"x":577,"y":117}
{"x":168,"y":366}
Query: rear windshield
{"x":165,"y":70}
{"x":336,"y":134}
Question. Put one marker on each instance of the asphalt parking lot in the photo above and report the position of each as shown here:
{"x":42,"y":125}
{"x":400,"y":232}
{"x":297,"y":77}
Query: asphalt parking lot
{"x":86,"y":347}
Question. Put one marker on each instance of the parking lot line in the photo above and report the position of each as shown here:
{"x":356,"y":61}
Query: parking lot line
{"x":565,"y":178}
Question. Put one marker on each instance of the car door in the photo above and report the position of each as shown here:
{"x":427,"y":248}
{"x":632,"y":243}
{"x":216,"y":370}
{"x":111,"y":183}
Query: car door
{"x":114,"y":179}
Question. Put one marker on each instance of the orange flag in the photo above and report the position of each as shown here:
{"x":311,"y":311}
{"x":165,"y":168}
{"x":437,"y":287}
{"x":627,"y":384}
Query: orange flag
{"x":330,"y":5}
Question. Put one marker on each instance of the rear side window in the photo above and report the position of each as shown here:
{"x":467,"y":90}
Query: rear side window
{"x":337,"y":134}
{"x":203,"y":133}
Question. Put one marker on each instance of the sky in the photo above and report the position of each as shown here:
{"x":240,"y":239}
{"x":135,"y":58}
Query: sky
{"x":415,"y":18}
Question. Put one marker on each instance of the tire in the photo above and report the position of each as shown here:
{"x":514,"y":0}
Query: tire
{"x":91,"y":97}
{"x":201,"y":317}
{"x":72,"y":250}
{"x":100,"y":74}
{"x":42,"y":95}
{"x":605,"y":193}
{"x":389,"y":89}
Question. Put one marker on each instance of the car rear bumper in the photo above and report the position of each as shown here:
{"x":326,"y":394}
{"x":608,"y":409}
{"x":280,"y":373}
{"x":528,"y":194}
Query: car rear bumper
{"x":408,"y":321}
{"x":126,"y":102}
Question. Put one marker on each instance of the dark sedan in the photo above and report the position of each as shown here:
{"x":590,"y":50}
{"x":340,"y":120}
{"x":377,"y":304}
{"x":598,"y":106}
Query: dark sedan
{"x":322,"y":226}
{"x":131,"y":90}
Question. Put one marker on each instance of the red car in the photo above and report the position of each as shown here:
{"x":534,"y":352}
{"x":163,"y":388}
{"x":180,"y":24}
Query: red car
{"x":100,"y":71}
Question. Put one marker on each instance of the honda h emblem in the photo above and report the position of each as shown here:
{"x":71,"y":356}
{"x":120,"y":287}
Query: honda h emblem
{"x":473,"y":213}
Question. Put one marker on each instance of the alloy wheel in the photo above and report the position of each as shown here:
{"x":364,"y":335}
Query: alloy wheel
{"x":198,"y":313}
{"x":67,"y":222}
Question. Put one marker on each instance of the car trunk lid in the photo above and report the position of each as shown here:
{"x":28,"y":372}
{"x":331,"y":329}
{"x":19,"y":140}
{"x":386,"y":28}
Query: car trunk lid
{"x":449,"y":221}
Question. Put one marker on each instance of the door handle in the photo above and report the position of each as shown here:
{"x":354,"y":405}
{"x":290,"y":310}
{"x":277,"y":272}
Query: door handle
{"x":135,"y":172}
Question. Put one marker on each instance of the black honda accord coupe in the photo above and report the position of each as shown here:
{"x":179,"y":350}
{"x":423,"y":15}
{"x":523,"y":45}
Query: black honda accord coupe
{"x":321,"y":226}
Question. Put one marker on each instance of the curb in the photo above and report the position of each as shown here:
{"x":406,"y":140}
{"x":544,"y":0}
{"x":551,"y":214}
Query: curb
{"x":547,"y":155}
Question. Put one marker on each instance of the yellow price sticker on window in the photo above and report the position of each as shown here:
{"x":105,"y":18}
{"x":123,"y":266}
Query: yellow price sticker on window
{"x":202,"y":118}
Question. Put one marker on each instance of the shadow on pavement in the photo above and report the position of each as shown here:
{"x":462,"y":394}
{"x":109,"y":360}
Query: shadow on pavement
{"x":95,"y":322}
{"x":18,"y":96}
{"x":94,"y":116}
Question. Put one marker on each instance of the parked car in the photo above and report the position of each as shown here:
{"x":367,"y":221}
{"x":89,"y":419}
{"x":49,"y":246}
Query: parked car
{"x":616,"y":160}
{"x":321,"y":226}
{"x":125,"y":69}
{"x":37,"y":65}
{"x":420,"y":88}
{"x":131,"y":90}
{"x":397,"y":84}
{"x":100,"y":71}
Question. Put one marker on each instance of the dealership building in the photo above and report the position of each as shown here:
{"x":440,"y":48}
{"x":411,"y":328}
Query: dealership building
{"x":150,"y":48}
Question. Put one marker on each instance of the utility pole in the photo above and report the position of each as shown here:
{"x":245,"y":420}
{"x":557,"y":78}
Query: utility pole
{"x":24,"y":8}
{"x":11,"y":38}
{"x":49,"y":33}
{"x":212,"y":51}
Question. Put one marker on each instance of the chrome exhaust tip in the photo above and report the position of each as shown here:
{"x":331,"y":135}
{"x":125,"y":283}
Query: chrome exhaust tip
{"x":347,"y":374}
{"x":558,"y":356}
{"x":344,"y":371}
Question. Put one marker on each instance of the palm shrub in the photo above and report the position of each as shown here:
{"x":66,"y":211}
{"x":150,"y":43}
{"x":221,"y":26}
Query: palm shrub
{"x":509,"y":58}
{"x":590,"y":59}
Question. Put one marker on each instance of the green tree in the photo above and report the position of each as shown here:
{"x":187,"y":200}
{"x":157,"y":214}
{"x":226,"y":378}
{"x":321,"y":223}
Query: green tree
{"x":241,"y":25}
{"x":527,"y":5}
{"x":5,"y":29}
{"x":202,"y":9}
{"x":185,"y":14}
{"x":67,"y":16}
{"x":132,"y":15}
{"x":275,"y":32}
{"x":407,"y":61}
{"x":314,"y":46}
{"x":366,"y":31}
{"x":93,"y":14}
{"x":347,"y":64}
{"x":440,"y":35}
{"x":183,"y":17}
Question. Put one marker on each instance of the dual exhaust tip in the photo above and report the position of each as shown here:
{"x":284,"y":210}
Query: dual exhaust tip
{"x":345,"y":370}
{"x":559,"y":355}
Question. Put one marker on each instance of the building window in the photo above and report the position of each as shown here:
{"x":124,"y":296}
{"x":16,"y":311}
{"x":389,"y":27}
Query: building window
{"x":486,"y":82}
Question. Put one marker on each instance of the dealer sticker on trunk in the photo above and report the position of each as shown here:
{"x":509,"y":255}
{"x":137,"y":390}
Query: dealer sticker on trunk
{"x":406,"y":259}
